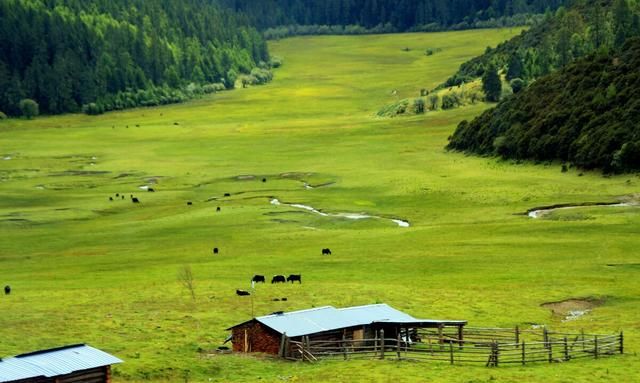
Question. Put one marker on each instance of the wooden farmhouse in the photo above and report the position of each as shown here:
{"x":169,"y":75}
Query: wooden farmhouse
{"x":69,"y":364}
{"x":271,"y":333}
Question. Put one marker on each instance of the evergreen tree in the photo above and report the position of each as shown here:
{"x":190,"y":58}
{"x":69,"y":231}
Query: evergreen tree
{"x":491,"y":84}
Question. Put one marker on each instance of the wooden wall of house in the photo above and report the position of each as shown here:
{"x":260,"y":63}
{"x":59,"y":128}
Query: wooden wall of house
{"x":259,"y":338}
{"x":94,"y":375}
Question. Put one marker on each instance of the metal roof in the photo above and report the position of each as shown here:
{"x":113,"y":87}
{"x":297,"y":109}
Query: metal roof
{"x":54,"y":362}
{"x":327,"y":318}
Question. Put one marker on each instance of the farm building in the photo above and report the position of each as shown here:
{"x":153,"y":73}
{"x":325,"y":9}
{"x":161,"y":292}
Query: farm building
{"x":271,"y":333}
{"x":69,"y":364}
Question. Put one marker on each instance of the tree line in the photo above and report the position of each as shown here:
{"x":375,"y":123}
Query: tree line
{"x":385,"y":15}
{"x":586,"y":114}
{"x":100,"y":55}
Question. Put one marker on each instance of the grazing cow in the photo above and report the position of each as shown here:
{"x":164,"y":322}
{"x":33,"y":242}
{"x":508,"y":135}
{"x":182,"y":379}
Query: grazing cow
{"x":215,"y":250}
{"x":242,"y":293}
{"x":117,"y":194}
{"x":122,"y":197}
{"x":218,"y":208}
{"x":7,"y":290}
{"x":150,"y":190}
{"x":326,"y":251}
{"x":175,"y":123}
{"x":227,"y":194}
{"x":131,"y":195}
{"x":294,"y":277}
{"x":284,"y":299}
{"x":189,"y":203}
{"x":276,"y":299}
{"x":110,"y":198}
{"x":137,"y":125}
{"x":258,"y":278}
{"x":264,"y":180}
{"x":278,"y":279}
{"x":134,"y":200}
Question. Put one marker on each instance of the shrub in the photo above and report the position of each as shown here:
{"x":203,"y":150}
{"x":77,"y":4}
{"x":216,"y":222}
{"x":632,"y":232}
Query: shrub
{"x":93,"y":109}
{"x":275,"y":62}
{"x":29,"y":108}
{"x":434,"y":101}
{"x":3,"y":116}
{"x":517,"y":84}
{"x":418,"y":106}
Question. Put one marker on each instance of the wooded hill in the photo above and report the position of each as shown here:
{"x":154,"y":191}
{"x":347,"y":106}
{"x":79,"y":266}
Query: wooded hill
{"x":104,"y":54}
{"x":587,"y":114}
{"x":387,"y":15}
{"x":570,"y":33}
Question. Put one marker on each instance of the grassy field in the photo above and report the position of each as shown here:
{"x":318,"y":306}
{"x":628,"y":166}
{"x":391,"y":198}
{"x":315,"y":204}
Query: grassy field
{"x":86,"y":269}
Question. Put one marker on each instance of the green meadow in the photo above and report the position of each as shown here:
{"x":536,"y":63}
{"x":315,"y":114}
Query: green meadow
{"x":87,"y":269}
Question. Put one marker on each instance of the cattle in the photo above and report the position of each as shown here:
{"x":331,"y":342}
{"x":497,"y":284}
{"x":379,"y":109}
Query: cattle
{"x":189,"y":203}
{"x":264,"y":180}
{"x":150,"y":190}
{"x":175,"y":123}
{"x":215,"y":250}
{"x":122,"y":197}
{"x":117,"y":194}
{"x":258,"y":278}
{"x":294,"y":277}
{"x":7,"y":290}
{"x":134,"y":200}
{"x":218,"y":208}
{"x":278,"y":279}
{"x":110,"y":198}
{"x":242,"y":293}
{"x":283,"y":299}
{"x":326,"y":251}
{"x":227,"y":194}
{"x":276,"y":299}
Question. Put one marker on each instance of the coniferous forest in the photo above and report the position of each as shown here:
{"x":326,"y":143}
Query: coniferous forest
{"x":100,"y":55}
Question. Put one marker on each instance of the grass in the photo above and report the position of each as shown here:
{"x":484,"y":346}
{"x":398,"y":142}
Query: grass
{"x":86,"y":269}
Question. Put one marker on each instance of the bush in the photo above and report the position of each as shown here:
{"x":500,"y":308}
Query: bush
{"x":451,"y":100}
{"x":29,"y":108}
{"x":93,"y":109}
{"x":418,"y":106}
{"x":517,"y":84}
{"x":275,"y":62}
{"x":434,"y":101}
{"x":213,"y":88}
{"x":3,"y":116}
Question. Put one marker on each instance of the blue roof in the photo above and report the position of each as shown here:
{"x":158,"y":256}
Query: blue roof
{"x":54,"y":362}
{"x":327,"y":318}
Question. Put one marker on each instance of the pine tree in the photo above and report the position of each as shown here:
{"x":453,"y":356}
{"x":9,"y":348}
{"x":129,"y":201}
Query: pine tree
{"x":491,"y":84}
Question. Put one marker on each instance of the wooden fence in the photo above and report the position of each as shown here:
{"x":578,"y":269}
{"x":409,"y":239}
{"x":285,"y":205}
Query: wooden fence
{"x":492,"y":347}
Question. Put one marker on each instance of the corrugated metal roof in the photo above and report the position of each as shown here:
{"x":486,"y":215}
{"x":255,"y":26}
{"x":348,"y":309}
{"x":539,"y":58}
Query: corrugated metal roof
{"x":327,"y":318}
{"x":54,"y":362}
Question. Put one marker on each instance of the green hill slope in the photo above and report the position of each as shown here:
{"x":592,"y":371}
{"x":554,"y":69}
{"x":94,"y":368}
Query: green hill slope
{"x":586,"y":114}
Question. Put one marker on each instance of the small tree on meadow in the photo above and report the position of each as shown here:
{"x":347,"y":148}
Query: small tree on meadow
{"x":434,"y":100}
{"x":491,"y":84}
{"x":29,"y":108}
{"x":418,"y":106}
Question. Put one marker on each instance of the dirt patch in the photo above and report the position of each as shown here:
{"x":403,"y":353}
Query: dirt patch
{"x":573,"y":308}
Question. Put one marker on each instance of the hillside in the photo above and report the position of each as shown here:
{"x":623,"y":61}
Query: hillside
{"x":68,"y":53}
{"x":586,"y":114}
{"x":570,"y":33}
{"x":387,"y":15}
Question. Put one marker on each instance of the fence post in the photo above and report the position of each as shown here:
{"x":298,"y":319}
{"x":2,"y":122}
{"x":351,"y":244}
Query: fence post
{"x":382,"y":344}
{"x":451,"y":351}
{"x":375,"y":344}
{"x":621,"y":343}
{"x":398,"y":345}
{"x":583,"y":345}
{"x":344,"y":345}
{"x":517,"y":336}
{"x":282,"y":343}
{"x":595,"y":350}
{"x":566,"y":349}
{"x":545,"y":337}
{"x":440,"y":336}
{"x":523,"y":354}
{"x":550,"y":352}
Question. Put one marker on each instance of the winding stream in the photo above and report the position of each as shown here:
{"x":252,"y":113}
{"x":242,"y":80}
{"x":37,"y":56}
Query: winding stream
{"x":539,"y":212}
{"x":355,"y":216}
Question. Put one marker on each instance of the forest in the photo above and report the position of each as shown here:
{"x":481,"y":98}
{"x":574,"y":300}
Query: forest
{"x":585,"y":115}
{"x":384,"y":15}
{"x":570,"y":33}
{"x":98,"y":55}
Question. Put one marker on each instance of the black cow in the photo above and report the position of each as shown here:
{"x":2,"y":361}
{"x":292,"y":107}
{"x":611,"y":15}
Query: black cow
{"x":117,"y":194}
{"x":134,"y":200}
{"x":326,"y":251}
{"x":150,"y":190}
{"x":242,"y":293}
{"x":7,"y":290}
{"x":278,"y":279}
{"x":227,"y":194}
{"x":215,"y":250}
{"x":122,"y":197}
{"x":294,"y":277}
{"x":110,"y":198}
{"x":284,"y":299}
{"x":189,"y":203}
{"x":218,"y":208}
{"x":258,"y":278}
{"x":264,"y":180}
